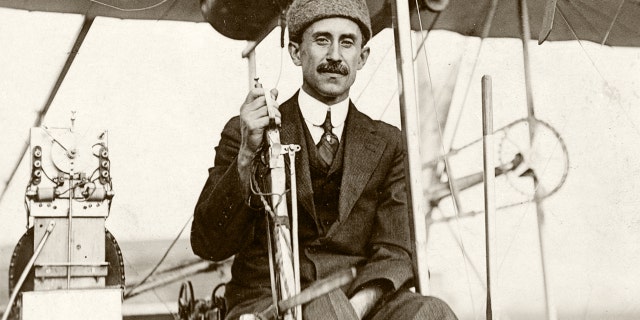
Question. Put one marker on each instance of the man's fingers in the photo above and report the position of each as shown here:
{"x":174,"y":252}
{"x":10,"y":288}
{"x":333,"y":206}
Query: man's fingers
{"x":259,"y":119}
{"x":256,"y":98}
{"x":259,"y":123}
{"x":255,"y":111}
{"x":255,"y":104}
{"x":253,"y":94}
{"x":256,"y":114}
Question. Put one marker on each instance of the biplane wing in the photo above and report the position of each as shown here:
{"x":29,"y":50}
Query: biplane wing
{"x":610,"y":22}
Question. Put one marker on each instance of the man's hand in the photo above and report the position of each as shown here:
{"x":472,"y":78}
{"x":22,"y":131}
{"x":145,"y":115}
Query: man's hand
{"x":364,"y":300}
{"x":254,"y":118}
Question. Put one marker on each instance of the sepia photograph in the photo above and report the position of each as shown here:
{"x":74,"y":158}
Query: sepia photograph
{"x":320,"y":159}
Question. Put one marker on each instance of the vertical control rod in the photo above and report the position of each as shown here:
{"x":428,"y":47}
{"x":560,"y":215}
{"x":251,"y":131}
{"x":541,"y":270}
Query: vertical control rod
{"x":489,"y":184}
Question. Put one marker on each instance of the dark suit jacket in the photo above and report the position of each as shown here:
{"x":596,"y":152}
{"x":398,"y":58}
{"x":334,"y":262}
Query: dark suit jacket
{"x":371,"y":232}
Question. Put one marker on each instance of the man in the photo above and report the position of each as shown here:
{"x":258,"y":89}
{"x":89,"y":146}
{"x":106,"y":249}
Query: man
{"x":350,"y":178}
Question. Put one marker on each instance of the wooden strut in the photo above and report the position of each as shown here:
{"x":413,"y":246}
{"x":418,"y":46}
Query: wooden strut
{"x":411,"y":137}
{"x":27,"y":269}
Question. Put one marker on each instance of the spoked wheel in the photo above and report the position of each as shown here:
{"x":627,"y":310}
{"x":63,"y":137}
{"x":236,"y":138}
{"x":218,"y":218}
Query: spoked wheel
{"x":545,"y":157}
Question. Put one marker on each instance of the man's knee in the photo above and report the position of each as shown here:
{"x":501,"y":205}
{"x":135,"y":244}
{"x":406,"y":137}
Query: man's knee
{"x":434,"y":308}
{"x":407,"y":305}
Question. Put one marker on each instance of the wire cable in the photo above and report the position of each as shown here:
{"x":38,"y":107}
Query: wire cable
{"x":606,"y":83}
{"x":164,"y":256}
{"x":440,"y":132}
{"x":606,"y":35}
{"x":129,"y":9}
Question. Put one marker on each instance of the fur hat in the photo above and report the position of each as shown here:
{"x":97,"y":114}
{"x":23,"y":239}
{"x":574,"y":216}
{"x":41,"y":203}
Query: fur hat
{"x":303,"y":13}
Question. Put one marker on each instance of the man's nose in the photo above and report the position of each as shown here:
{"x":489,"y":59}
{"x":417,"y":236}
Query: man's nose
{"x":334,"y":52}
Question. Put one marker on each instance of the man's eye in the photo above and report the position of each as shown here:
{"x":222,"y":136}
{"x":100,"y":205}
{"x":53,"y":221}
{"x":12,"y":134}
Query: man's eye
{"x":346,"y":43}
{"x":322,"y":41}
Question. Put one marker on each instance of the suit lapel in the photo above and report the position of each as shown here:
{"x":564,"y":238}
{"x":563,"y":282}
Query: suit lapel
{"x":362,"y":153}
{"x":291,"y":132}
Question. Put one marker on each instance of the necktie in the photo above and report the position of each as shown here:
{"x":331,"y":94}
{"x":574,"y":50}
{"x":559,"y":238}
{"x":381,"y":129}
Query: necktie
{"x":328,"y":145}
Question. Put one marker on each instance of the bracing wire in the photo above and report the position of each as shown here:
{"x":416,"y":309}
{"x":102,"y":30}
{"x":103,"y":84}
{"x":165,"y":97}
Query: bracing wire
{"x":606,"y":35}
{"x":389,"y":101}
{"x":458,"y":241}
{"x":485,"y":33}
{"x":455,"y":204}
{"x":129,"y":9}
{"x":282,"y":50}
{"x":164,"y":256}
{"x":155,"y":293}
{"x":559,"y":142}
{"x":386,"y":53}
{"x":279,"y":69}
{"x":575,"y":35}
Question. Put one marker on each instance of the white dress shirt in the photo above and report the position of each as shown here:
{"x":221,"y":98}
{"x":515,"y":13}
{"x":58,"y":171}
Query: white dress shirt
{"x":314,"y":112}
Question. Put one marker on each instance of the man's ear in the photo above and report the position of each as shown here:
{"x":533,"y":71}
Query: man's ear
{"x":364,"y":55}
{"x":294,"y":52}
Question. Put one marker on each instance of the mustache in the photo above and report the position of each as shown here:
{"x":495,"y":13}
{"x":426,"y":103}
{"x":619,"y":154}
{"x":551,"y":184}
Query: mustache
{"x":333,"y":67}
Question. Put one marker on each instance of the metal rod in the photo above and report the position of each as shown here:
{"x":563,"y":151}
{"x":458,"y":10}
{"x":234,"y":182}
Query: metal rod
{"x":70,"y":226}
{"x":251,"y":60}
{"x":486,"y":29}
{"x":489,"y":184}
{"x":77,"y":264}
{"x":438,"y":191}
{"x":410,"y":126}
{"x":526,"y":37}
{"x":182,"y":272}
{"x":295,"y":247}
{"x":27,"y":268}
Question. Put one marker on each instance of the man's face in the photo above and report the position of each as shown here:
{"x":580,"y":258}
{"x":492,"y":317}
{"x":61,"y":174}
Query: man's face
{"x":330,"y":53}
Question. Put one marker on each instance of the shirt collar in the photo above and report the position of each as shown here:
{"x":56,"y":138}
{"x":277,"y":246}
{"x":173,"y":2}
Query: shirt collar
{"x":314,"y":111}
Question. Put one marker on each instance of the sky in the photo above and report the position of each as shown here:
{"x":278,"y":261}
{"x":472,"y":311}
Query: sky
{"x":163,"y":90}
